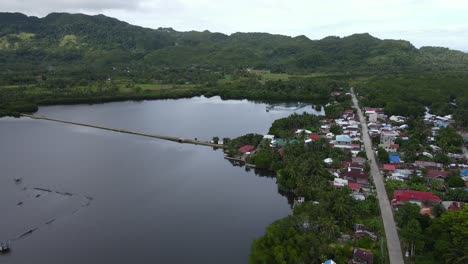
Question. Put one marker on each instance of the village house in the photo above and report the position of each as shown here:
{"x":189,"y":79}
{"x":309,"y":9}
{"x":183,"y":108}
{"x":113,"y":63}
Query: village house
{"x":389,"y":167}
{"x":373,"y":116}
{"x":349,"y":114}
{"x":452,"y":205}
{"x":303,"y":131}
{"x":398,"y":119}
{"x":356,"y":176}
{"x":279,"y":143}
{"x":390,"y":148}
{"x":411,"y":196}
{"x":361,"y":231}
{"x":362,"y":256}
{"x":359,"y":160}
{"x":314,"y":137}
{"x":393,"y":157}
{"x":339,"y":183}
{"x":437,"y":174}
{"x":246,"y":149}
{"x":343,"y":140}
{"x":374,"y":109}
{"x":428,"y":165}
{"x":387,"y":137}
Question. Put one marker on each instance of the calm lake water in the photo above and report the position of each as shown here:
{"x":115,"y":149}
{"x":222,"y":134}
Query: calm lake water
{"x":93,"y":196}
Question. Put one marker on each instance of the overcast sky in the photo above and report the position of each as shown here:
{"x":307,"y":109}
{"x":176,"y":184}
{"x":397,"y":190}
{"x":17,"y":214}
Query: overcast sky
{"x":423,"y":22}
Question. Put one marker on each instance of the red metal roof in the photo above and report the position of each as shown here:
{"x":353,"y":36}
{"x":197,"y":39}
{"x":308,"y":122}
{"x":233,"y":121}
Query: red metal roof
{"x":394,"y":146}
{"x":437,"y":174}
{"x":408,"y":195}
{"x":354,"y":186}
{"x":246,"y":148}
{"x":314,"y":137}
{"x":389,"y":167}
{"x":454,"y":206}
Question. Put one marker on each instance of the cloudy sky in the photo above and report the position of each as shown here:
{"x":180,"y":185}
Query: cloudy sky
{"x":423,"y":22}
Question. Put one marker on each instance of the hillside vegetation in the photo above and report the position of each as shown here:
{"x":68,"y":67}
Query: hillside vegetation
{"x":93,"y":47}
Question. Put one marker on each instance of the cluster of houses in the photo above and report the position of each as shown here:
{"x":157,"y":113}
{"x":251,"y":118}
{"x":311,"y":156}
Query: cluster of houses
{"x":391,"y":128}
{"x":360,"y":256}
{"x":353,"y":174}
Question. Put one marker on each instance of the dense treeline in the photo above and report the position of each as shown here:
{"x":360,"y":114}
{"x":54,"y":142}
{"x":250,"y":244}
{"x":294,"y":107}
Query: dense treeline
{"x":171,"y":84}
{"x":408,"y":94}
{"x":443,"y":239}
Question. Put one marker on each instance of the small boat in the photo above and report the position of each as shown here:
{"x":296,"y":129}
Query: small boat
{"x":17,"y":179}
{"x":4,"y":247}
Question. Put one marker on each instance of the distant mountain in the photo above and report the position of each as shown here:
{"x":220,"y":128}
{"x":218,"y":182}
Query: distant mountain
{"x":70,"y":43}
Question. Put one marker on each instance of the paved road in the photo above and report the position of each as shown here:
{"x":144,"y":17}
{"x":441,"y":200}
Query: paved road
{"x":391,"y":234}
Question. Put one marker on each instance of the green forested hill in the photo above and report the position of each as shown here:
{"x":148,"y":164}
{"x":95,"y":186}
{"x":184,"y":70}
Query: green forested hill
{"x":62,"y":43}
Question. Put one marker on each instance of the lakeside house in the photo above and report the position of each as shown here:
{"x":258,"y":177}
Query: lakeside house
{"x":246,"y":149}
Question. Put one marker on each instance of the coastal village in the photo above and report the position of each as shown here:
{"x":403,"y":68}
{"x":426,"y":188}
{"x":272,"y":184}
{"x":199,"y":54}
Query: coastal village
{"x":434,"y":171}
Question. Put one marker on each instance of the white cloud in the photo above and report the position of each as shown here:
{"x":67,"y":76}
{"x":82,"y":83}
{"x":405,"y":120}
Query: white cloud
{"x":423,"y":22}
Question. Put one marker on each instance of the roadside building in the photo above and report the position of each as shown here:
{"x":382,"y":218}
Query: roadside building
{"x":416,"y":197}
{"x":387,"y":137}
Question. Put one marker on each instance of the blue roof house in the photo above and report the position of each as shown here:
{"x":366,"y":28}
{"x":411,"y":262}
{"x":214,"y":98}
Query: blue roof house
{"x":464,"y":173}
{"x":393,"y":157}
{"x":343,"y":139}
{"x":441,"y":123}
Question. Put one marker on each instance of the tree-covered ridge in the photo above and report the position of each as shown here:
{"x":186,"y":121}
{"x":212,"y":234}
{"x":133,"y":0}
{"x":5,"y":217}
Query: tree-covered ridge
{"x":68,"y":43}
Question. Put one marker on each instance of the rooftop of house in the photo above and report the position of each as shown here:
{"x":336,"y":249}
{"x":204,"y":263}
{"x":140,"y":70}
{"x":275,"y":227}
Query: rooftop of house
{"x":363,"y":256}
{"x":425,"y":164}
{"x":437,"y":174}
{"x":356,"y":174}
{"x":246,"y":148}
{"x":354,"y":186}
{"x":411,"y":195}
{"x":359,"y":159}
{"x":394,"y":157}
{"x":314,"y":137}
{"x":452,"y":205}
{"x":343,"y":138}
{"x":389,"y":133}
